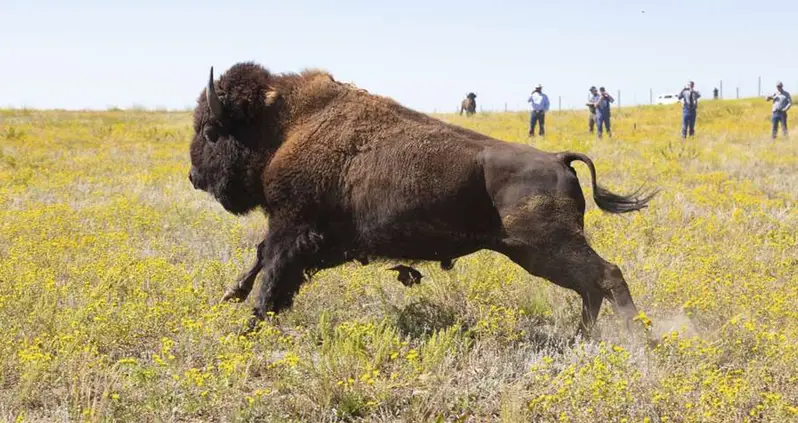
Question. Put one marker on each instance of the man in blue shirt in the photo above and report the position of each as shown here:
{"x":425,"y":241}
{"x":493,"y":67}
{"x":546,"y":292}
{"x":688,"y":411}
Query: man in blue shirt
{"x":603,"y":111}
{"x":782,"y":101}
{"x":539,"y":105}
{"x":689,"y":98}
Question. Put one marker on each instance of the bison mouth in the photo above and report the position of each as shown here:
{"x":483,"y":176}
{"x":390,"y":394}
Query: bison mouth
{"x":236,"y":198}
{"x":201,"y":184}
{"x":231,"y":199}
{"x":194,"y":178}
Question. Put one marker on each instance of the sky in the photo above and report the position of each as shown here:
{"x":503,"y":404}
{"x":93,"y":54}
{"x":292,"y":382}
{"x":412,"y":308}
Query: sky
{"x":92,"y":54}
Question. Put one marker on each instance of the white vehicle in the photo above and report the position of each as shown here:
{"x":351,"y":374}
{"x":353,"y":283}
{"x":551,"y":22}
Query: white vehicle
{"x":667,"y":99}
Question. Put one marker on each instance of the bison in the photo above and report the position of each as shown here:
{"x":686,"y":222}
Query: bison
{"x":344,"y":174}
{"x":469,"y":104}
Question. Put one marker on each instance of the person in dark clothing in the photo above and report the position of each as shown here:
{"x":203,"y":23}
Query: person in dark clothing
{"x":603,"y":111}
{"x":782,"y":101}
{"x":689,"y":98}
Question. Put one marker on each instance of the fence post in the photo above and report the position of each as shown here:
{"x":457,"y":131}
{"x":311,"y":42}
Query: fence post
{"x":559,"y":103}
{"x":738,"y":93}
{"x":759,"y":87}
{"x":650,"y":96}
{"x":721,"y":89}
{"x":619,"y":99}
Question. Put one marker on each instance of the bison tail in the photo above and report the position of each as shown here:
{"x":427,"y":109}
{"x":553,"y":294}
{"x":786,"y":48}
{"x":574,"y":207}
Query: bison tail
{"x":606,"y":200}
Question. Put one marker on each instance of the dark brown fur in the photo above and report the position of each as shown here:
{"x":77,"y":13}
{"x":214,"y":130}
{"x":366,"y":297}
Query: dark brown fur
{"x":347,"y":175}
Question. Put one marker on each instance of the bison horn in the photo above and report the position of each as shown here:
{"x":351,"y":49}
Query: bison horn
{"x":213,"y":99}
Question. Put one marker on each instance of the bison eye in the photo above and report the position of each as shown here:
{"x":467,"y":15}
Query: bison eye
{"x":211,"y":134}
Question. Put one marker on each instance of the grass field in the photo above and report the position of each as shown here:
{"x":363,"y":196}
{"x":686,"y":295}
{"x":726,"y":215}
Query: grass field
{"x":111,"y":267}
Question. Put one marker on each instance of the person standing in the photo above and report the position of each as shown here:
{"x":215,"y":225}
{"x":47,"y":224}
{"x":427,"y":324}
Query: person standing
{"x":689,"y":98}
{"x":539,"y":105}
{"x":782,"y":101}
{"x":603,"y":111}
{"x":592,"y":99}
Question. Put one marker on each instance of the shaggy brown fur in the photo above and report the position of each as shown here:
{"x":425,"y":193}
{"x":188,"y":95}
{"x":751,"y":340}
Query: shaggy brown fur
{"x":347,"y":175}
{"x":469,"y":104}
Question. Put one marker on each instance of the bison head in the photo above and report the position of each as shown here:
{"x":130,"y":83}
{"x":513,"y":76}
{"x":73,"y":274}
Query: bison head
{"x":235,"y":130}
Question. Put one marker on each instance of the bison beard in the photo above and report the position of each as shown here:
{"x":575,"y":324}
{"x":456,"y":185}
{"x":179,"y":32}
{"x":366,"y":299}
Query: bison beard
{"x":346,"y":175}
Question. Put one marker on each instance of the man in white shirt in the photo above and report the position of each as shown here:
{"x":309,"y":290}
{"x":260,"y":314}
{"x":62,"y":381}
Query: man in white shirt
{"x":592,"y":99}
{"x":538,"y":105}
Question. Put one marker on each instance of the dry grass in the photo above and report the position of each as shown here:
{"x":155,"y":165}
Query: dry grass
{"x":111,"y":266}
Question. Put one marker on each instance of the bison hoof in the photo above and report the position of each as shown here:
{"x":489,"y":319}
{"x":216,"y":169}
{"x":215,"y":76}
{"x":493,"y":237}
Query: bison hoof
{"x":448,"y":264}
{"x":407,"y":275}
{"x":251,"y":327}
{"x":235,"y":294}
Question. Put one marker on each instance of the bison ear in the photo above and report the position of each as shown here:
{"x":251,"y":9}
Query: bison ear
{"x":271,"y":97}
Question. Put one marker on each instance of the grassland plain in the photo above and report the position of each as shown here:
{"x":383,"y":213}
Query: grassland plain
{"x":111,"y":267}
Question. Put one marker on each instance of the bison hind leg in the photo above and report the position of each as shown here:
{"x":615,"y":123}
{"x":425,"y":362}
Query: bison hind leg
{"x":571,"y":263}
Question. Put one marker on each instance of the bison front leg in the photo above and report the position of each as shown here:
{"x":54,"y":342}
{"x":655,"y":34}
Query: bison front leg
{"x":286,"y":257}
{"x":241,"y":289}
{"x":448,"y":264}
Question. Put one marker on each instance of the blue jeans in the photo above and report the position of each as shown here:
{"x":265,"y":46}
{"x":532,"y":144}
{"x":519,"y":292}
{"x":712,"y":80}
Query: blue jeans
{"x":603,"y":120}
{"x":779,"y":117}
{"x":688,"y":122}
{"x":535,"y":118}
